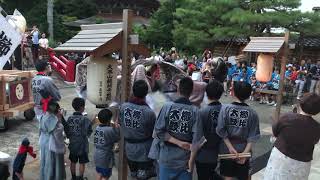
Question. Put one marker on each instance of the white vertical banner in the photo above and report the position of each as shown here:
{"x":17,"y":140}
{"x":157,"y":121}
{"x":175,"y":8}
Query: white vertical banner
{"x":10,"y":38}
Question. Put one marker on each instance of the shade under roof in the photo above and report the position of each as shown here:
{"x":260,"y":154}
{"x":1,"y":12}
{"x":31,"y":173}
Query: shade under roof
{"x":264,"y":44}
{"x":91,"y":37}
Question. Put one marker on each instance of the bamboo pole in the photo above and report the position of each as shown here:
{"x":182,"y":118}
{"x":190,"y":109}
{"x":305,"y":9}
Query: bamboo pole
{"x":282,"y":76}
{"x":125,"y":86}
{"x":232,"y":156}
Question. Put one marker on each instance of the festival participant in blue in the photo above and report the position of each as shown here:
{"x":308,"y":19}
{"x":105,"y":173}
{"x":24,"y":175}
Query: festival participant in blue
{"x":177,"y":119}
{"x":254,"y":67}
{"x":244,"y":76}
{"x":79,"y":130}
{"x":301,"y":79}
{"x":207,"y":157}
{"x":238,"y":126}
{"x":288,"y":72}
{"x":273,"y":84}
{"x":236,"y":72}
{"x":105,"y":136}
{"x":137,"y":121}
{"x":44,"y":84}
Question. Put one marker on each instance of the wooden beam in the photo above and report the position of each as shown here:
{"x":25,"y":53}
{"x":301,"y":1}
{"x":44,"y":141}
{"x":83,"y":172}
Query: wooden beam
{"x":111,"y":46}
{"x":282,"y":76}
{"x":125,"y":85}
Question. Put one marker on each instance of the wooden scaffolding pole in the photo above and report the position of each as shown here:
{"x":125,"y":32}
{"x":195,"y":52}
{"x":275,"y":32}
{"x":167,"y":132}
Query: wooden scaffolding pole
{"x":125,"y":85}
{"x":282,"y":75}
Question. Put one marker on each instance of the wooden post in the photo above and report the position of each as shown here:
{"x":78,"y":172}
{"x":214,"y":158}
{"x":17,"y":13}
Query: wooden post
{"x":125,"y":85}
{"x":282,"y":76}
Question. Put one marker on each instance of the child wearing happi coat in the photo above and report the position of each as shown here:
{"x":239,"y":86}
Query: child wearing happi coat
{"x":238,"y":126}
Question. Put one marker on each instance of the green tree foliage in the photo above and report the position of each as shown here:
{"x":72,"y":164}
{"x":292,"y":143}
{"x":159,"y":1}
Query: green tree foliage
{"x":198,"y":23}
{"x":35,"y":12}
{"x":159,"y":33}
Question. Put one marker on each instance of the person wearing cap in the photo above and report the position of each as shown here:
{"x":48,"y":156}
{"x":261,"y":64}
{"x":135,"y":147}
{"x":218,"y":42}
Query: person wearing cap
{"x":297,"y":134}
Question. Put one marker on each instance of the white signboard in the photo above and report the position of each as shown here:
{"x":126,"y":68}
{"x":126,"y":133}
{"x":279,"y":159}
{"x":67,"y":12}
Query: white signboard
{"x":10,"y":38}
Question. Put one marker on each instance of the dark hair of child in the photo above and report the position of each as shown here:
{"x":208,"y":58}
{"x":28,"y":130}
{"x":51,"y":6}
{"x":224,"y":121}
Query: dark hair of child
{"x":214,"y":90}
{"x":140,"y":89}
{"x":53,"y":107}
{"x":186,"y":86}
{"x":78,"y":103}
{"x":310,"y":103}
{"x":41,"y":65}
{"x":242,"y":90}
{"x":105,"y":116}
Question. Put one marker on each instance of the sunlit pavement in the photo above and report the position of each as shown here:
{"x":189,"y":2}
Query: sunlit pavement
{"x":18,"y":129}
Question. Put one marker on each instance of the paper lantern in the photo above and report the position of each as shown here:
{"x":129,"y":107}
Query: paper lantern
{"x":101,"y":80}
{"x":264,"y":67}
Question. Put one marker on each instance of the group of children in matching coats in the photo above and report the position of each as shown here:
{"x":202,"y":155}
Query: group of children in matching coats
{"x":182,"y":135}
{"x":169,"y":145}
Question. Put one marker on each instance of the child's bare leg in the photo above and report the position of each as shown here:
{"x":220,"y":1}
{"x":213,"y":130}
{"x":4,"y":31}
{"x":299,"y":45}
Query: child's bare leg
{"x":228,"y":178}
{"x":82,"y":167}
{"x":99,"y":177}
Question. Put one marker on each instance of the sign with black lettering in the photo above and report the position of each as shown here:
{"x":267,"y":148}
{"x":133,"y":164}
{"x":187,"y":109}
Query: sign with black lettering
{"x":132,"y":118}
{"x":180,"y":121}
{"x":238,"y":118}
{"x":10,"y":38}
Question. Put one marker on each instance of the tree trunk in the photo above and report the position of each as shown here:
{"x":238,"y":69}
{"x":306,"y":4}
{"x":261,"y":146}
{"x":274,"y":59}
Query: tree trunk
{"x":50,"y":17}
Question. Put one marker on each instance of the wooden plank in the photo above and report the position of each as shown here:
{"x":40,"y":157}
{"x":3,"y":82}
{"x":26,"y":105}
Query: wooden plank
{"x":8,"y":71}
{"x":282,"y":76}
{"x":75,"y":49}
{"x":111,"y":46}
{"x":102,"y":26}
{"x":30,"y":90}
{"x":81,"y":44}
{"x":3,"y":97}
{"x":13,"y":111}
{"x":16,"y":73}
{"x":95,"y":36}
{"x":98,"y":40}
{"x":266,"y":91}
{"x":6,"y":107}
{"x":125,"y":85}
{"x":100,"y":31}
{"x":9,"y":78}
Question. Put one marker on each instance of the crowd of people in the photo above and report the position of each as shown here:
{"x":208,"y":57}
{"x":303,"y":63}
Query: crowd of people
{"x":186,"y":133}
{"x":182,"y":137}
{"x":34,"y":46}
{"x":301,"y":77}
